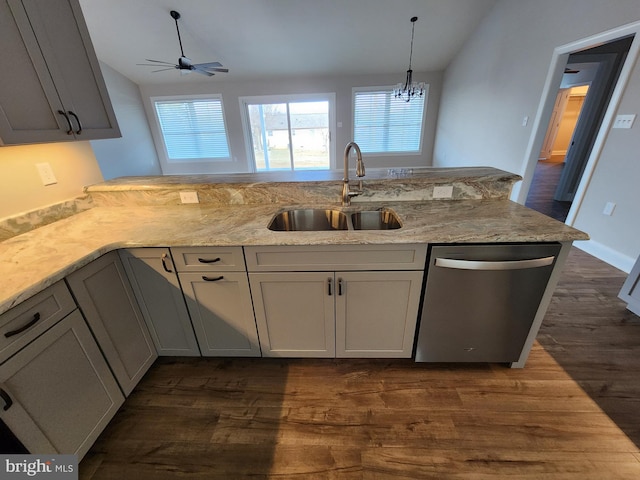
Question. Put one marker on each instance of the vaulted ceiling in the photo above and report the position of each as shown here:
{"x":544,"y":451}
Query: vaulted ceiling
{"x":279,"y":38}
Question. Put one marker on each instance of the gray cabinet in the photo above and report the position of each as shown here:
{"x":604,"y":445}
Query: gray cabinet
{"x":52,"y":86}
{"x":108,"y":303}
{"x":630,"y":291}
{"x":155,"y":283}
{"x":369,"y":309}
{"x":295,"y":313}
{"x":58,"y":393}
{"x":216,"y":289}
{"x":376,"y":313}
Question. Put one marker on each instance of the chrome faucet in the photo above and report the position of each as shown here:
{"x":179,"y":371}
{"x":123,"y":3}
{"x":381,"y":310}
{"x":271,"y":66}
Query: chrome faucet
{"x":346,"y":193}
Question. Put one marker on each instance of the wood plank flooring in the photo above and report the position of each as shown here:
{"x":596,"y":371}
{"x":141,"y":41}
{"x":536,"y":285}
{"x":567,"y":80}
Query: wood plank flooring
{"x":564,"y":416}
{"x":543,"y":187}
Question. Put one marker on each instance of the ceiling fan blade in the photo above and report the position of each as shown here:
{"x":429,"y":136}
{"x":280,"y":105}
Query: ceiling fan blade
{"x":221,"y":70}
{"x":208,"y":65}
{"x":163,"y":69}
{"x":202,"y":71}
{"x":155,"y":65}
{"x":159,"y":61}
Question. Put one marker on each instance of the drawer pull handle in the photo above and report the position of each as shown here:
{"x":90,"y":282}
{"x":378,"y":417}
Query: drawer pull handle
{"x":17,"y":331}
{"x":7,"y":400}
{"x":66,"y":117}
{"x":79,"y":131}
{"x":329,"y":285}
{"x":209,"y":279}
{"x":339,"y":287}
{"x":206,"y":260}
{"x":164,"y":263}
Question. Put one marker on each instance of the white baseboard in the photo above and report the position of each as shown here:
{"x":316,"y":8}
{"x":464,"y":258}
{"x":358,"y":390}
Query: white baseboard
{"x":607,"y":254}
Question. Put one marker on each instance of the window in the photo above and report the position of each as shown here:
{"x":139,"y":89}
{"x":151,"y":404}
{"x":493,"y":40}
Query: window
{"x":289,"y":132}
{"x":383,"y":124}
{"x":193,"y":132}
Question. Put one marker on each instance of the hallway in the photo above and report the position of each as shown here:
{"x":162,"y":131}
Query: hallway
{"x":543,"y":186}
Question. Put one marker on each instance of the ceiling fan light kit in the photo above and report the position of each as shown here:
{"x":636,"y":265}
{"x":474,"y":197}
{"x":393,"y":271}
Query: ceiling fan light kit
{"x":184,"y":64}
{"x":409,"y":89}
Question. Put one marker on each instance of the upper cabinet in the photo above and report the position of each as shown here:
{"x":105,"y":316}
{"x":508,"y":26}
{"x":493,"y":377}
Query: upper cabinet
{"x":52,"y":88}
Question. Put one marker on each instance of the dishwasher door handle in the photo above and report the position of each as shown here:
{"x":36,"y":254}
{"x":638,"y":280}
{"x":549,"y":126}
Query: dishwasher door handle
{"x":487,"y":265}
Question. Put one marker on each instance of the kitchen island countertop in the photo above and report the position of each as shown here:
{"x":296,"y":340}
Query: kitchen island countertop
{"x":34,"y":260}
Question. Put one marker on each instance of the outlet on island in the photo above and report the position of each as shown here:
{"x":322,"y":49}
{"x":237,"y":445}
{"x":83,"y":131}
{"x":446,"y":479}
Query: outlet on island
{"x":442,"y":191}
{"x":189,"y":197}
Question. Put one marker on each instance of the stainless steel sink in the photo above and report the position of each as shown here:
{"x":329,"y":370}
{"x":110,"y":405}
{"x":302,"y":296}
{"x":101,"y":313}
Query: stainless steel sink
{"x":375,"y":220}
{"x":309,"y":220}
{"x":320,"y":219}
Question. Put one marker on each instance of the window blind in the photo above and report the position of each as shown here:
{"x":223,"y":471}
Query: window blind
{"x":193,"y":129}
{"x":384,"y":124}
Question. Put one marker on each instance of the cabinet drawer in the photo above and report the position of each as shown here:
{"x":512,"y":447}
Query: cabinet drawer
{"x":208,"y":259}
{"x":32,"y":317}
{"x":323,"y":258}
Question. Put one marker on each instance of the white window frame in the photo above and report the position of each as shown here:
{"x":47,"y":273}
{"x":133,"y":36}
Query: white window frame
{"x":389,"y":88}
{"x":288,"y":98}
{"x":193,"y":166}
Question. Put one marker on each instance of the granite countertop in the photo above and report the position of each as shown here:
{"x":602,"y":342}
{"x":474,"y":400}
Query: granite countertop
{"x":34,"y":260}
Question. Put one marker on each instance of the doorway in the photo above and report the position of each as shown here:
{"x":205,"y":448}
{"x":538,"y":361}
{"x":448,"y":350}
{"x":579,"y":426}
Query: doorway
{"x":556,"y":177}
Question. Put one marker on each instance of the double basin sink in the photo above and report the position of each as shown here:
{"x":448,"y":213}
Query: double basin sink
{"x":320,"y":219}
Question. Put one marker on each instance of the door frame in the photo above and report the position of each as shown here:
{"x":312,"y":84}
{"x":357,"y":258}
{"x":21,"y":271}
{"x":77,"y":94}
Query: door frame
{"x":547,"y":100}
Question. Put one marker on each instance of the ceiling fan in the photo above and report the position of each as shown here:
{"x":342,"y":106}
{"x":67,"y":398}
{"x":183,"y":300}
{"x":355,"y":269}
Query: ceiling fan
{"x":184,"y":63}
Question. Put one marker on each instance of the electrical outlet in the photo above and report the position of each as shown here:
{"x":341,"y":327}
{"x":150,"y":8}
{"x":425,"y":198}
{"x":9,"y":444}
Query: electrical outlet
{"x":624,"y":121}
{"x":609,"y":208}
{"x":442,"y":191}
{"x":46,"y":174}
{"x":189,"y":197}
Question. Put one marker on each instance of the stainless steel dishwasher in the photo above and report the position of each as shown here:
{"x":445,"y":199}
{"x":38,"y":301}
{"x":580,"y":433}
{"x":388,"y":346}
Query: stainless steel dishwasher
{"x":480,"y":300}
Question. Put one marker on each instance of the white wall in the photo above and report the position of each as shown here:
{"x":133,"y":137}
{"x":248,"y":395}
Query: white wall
{"x":341,"y":86}
{"x":616,"y":179}
{"x":21,"y":189}
{"x":498,"y":78}
{"x":134,"y":153}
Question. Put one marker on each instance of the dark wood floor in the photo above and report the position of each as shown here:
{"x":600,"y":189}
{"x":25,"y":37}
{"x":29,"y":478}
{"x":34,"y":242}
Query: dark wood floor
{"x":572,"y":413}
{"x":543,"y":187}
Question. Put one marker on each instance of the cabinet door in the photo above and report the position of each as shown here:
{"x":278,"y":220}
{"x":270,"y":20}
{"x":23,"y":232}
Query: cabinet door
{"x":295,"y":313}
{"x":155,"y":284}
{"x":220,"y":308}
{"x":60,"y":391}
{"x":105,"y":297}
{"x":57,"y":92}
{"x":376,"y":313}
{"x":29,"y":102}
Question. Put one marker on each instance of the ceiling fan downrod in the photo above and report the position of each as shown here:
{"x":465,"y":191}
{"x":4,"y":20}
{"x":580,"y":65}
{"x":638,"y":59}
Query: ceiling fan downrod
{"x":175,"y":15}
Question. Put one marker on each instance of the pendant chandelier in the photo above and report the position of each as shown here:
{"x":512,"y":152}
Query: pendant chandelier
{"x":409,"y":89}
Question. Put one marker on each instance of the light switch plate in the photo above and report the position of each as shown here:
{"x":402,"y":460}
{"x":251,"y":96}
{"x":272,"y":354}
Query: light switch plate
{"x":189,"y":197}
{"x":46,"y":174}
{"x":609,"y":208}
{"x":624,"y":121}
